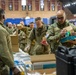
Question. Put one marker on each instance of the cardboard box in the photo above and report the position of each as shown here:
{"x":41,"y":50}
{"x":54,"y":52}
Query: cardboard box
{"x":69,"y":28}
{"x":15,"y":48}
{"x":50,"y":74}
{"x":43,"y":58}
{"x":14,"y":39}
{"x":44,"y":65}
{"x":47,"y":71}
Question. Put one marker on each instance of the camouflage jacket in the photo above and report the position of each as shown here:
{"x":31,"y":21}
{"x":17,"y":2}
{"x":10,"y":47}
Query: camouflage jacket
{"x":54,"y":33}
{"x":5,"y":47}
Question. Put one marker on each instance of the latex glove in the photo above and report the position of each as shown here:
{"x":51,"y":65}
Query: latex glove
{"x":27,"y":48}
{"x":63,"y":32}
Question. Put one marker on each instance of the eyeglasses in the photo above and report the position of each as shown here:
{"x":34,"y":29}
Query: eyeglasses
{"x":60,"y":17}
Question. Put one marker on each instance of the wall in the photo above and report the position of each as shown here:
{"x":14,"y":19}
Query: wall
{"x":69,"y":15}
{"x":33,"y":13}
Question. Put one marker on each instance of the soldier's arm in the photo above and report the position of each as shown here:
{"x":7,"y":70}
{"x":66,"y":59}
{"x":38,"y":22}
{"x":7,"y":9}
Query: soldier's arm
{"x":5,"y":55}
{"x":29,"y":40}
{"x":22,"y":35}
{"x":31,"y":36}
{"x":51,"y":34}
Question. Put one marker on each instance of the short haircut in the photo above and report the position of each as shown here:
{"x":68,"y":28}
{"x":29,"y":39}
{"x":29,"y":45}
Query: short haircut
{"x":38,"y":18}
{"x":31,"y":22}
{"x":1,"y":13}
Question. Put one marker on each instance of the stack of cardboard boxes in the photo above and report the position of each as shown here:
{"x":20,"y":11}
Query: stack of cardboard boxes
{"x":15,"y":44}
{"x":43,"y":63}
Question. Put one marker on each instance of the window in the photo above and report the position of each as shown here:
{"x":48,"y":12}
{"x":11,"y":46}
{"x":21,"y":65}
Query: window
{"x":59,"y":6}
{"x":16,"y":5}
{"x":41,"y":5}
{"x":53,"y":5}
{"x":23,"y":7}
{"x":23,"y":4}
{"x":48,"y":5}
{"x":10,"y":4}
{"x":37,"y":5}
{"x":3,"y":4}
{"x":29,"y":5}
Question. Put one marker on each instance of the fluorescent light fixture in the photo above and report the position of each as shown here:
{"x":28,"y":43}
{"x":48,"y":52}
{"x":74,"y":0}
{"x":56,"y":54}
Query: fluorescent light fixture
{"x":73,"y":3}
{"x":67,"y":5}
{"x":23,"y":2}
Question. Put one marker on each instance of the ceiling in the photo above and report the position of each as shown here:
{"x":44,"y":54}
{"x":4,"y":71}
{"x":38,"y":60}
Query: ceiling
{"x":72,"y":8}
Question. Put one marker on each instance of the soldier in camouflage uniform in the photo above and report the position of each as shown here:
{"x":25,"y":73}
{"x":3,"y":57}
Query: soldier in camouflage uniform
{"x":57,"y":30}
{"x":14,"y":27}
{"x":22,"y":33}
{"x":10,"y":28}
{"x":38,"y":34}
{"x":31,"y":26}
{"x":6,"y":56}
{"x":22,"y":39}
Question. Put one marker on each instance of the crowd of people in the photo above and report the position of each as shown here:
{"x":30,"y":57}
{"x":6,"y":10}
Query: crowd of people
{"x":35,"y":41}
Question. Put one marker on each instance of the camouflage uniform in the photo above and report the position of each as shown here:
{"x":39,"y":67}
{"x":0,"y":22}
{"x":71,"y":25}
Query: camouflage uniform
{"x":54,"y":34}
{"x":22,"y":39}
{"x":6,"y":57}
{"x":10,"y":30}
{"x":38,"y":34}
{"x":32,"y":43}
{"x":23,"y":35}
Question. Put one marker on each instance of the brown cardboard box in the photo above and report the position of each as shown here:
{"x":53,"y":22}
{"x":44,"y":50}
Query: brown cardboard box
{"x":14,"y":39}
{"x":42,"y":58}
{"x":47,"y":71}
{"x":15,"y":48}
{"x":69,"y":28}
{"x":50,"y":74}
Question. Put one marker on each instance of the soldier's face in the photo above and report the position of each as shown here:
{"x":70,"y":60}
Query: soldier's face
{"x":22,"y":22}
{"x":38,"y":23}
{"x":31,"y":25}
{"x":60,"y":19}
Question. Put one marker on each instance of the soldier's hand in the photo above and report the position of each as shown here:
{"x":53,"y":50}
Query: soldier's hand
{"x":15,"y":71}
{"x":44,"y":41}
{"x":63,"y":32}
{"x":73,"y":33}
{"x":27,"y":48}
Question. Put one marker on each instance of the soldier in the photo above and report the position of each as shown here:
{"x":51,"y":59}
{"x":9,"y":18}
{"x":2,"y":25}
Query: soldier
{"x":23,"y":34}
{"x":24,"y":28}
{"x":57,"y":30}
{"x":22,"y":40}
{"x":14,"y":27}
{"x":38,"y":34}
{"x":31,"y":26}
{"x":10,"y":28}
{"x":6,"y":56}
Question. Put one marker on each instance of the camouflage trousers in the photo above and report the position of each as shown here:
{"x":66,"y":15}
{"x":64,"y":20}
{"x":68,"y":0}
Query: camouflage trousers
{"x":31,"y":50}
{"x":40,"y":49}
